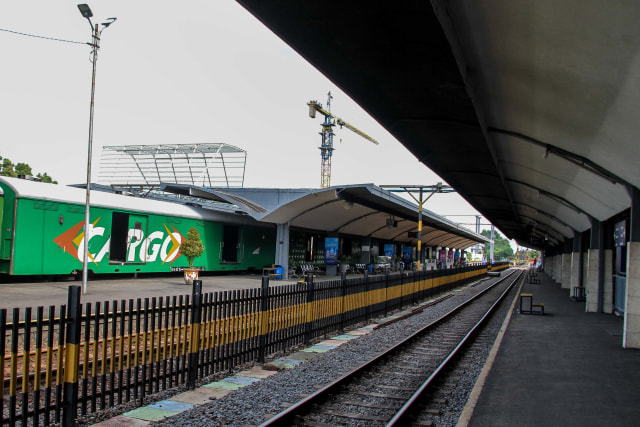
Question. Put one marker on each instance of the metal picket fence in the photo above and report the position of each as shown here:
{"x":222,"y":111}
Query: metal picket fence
{"x":82,"y":358}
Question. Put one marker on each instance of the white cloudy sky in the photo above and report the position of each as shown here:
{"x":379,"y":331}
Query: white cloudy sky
{"x":196,"y":71}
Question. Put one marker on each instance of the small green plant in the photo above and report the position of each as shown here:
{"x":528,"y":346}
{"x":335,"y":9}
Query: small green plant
{"x":192,"y":247}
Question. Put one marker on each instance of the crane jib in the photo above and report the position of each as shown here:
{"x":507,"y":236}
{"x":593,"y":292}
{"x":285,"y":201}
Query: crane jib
{"x":326,"y":151}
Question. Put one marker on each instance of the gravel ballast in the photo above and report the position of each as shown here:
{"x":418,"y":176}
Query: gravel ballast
{"x":254,"y":404}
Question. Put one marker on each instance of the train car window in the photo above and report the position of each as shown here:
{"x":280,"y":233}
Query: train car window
{"x":119,"y":231}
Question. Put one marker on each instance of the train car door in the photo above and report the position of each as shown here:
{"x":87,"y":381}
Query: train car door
{"x":5,"y":244}
{"x":230,"y":243}
{"x":128,"y":243}
{"x":137,"y":248}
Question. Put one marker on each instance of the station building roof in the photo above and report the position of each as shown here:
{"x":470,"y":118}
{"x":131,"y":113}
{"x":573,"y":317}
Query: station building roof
{"x":357,"y":210}
{"x":360,"y":210}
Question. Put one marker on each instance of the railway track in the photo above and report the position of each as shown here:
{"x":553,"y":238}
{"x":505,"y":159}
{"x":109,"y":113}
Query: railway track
{"x":390,"y":389}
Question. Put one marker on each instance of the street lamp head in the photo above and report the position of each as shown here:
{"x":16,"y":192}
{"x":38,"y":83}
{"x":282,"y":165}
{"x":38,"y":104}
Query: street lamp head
{"x":108,"y":22}
{"x":85,"y":10}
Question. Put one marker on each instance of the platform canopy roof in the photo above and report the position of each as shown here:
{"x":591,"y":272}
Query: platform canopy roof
{"x":527,"y":108}
{"x":358,"y":210}
{"x":145,"y":166}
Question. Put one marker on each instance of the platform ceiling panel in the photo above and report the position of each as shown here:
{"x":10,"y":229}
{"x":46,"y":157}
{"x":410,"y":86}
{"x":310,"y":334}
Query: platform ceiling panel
{"x":490,"y":92}
{"x":570,"y":215}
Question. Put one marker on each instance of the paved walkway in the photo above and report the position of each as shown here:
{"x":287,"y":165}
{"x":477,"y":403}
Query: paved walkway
{"x":563,"y":368}
{"x":33,"y":294}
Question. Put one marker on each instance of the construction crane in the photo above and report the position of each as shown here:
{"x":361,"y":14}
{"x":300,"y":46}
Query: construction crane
{"x":326,"y":149}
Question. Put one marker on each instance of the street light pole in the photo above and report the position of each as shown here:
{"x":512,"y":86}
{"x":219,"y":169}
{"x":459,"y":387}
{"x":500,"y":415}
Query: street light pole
{"x":85,"y":263}
{"x":95,"y":45}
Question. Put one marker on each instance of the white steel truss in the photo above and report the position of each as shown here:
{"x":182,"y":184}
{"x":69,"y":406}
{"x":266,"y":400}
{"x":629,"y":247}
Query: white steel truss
{"x":145,"y":166}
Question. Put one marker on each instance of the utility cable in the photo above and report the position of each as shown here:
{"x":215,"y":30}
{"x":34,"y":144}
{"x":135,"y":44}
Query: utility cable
{"x":43,"y":37}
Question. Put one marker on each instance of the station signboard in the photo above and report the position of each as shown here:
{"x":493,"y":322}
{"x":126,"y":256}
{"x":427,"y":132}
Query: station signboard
{"x":406,"y":254}
{"x":331,"y":250}
{"x":620,"y":233}
{"x":389,"y":250}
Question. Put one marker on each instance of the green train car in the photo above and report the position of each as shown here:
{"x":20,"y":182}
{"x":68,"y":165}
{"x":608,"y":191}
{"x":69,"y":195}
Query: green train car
{"x":43,"y":233}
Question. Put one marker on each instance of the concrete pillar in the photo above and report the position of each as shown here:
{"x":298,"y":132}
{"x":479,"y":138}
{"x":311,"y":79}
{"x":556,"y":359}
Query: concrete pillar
{"x":594,"y":283}
{"x":365,"y":254}
{"x":577,"y":264}
{"x":607,"y":300}
{"x":575,"y":272}
{"x":591,"y":284}
{"x":546,"y":264}
{"x":565,"y":282}
{"x":560,"y":265}
{"x":567,"y":255}
{"x":631,"y":332}
{"x":585,"y":260}
{"x":282,"y":248}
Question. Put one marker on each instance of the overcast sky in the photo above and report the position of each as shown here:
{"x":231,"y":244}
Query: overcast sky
{"x":196,"y":71}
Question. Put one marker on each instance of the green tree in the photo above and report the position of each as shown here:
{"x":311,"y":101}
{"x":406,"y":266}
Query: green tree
{"x":46,"y":178}
{"x":501,"y":248}
{"x":7,"y":168}
{"x":23,"y":169}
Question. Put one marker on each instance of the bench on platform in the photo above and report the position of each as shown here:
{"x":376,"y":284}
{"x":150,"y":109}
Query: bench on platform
{"x":534,"y":307}
{"x":270,"y":272}
{"x":360,"y":268}
{"x":345,"y":268}
{"x":537,"y":307}
{"x":578,"y":293}
{"x":533,"y":277}
{"x":309,"y":269}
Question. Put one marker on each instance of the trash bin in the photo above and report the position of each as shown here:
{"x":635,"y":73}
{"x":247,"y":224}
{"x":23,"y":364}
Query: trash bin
{"x":278,"y":271}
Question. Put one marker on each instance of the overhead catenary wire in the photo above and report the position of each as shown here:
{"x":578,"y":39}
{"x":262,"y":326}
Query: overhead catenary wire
{"x":43,"y":37}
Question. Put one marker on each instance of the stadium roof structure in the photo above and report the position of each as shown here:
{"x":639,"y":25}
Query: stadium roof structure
{"x":146,"y":166}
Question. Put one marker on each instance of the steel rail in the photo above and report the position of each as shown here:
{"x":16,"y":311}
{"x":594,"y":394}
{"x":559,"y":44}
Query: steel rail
{"x":409,"y":407}
{"x":288,"y":416}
